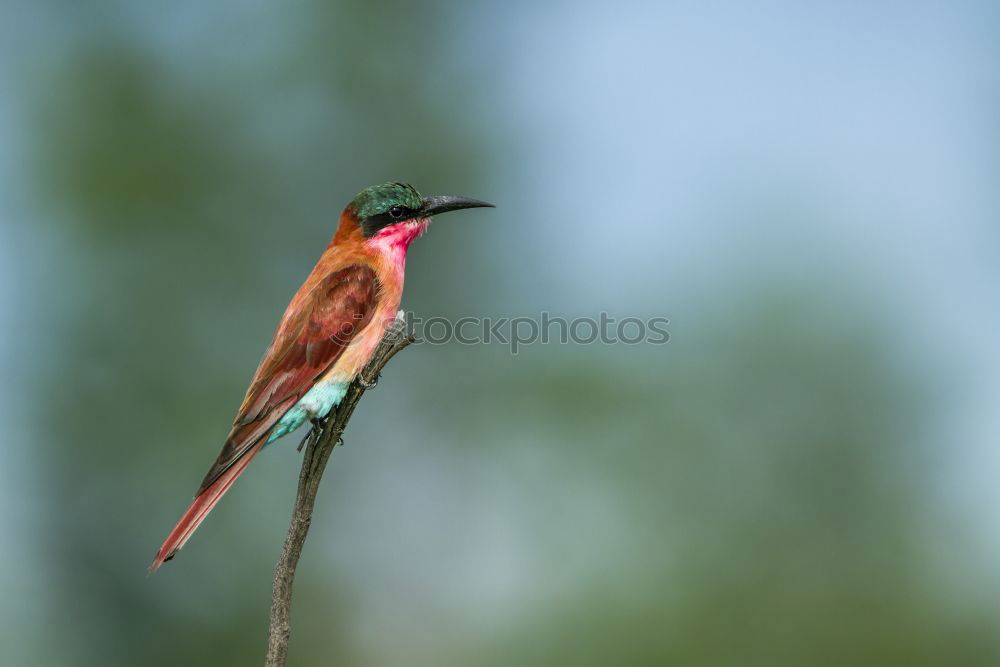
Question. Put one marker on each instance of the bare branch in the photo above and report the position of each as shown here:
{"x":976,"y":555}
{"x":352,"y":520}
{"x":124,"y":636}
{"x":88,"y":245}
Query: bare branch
{"x":314,"y":463}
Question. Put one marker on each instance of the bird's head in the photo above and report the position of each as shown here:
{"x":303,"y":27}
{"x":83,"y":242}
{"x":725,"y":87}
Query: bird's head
{"x":395,"y":213}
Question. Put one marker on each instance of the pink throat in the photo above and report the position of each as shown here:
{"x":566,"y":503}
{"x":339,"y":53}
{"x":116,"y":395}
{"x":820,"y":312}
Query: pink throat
{"x":394,"y":240}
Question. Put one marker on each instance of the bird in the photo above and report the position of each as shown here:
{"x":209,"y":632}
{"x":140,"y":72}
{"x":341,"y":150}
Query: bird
{"x":327,"y":334}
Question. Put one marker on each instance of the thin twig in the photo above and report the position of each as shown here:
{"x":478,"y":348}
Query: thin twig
{"x":313,"y":464}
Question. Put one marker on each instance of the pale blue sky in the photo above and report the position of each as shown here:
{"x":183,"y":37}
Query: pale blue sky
{"x":785,"y":139}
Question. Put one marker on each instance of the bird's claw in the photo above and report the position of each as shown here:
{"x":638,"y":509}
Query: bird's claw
{"x":315,"y":431}
{"x":365,"y":384}
{"x":304,"y":440}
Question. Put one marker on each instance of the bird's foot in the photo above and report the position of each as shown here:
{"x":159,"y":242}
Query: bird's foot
{"x":304,"y":440}
{"x":365,"y":384}
{"x":314,"y":432}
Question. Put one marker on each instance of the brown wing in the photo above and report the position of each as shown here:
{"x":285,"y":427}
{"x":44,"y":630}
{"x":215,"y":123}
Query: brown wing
{"x":314,"y":332}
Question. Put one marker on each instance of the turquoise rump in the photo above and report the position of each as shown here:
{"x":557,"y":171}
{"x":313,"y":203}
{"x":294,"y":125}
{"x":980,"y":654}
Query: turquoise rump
{"x":317,"y":402}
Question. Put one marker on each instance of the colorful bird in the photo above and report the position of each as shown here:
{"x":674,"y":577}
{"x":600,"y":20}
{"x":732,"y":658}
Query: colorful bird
{"x":326,"y":336}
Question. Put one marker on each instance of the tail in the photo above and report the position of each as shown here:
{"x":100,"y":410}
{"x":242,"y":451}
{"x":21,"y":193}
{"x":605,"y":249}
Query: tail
{"x":200,"y":508}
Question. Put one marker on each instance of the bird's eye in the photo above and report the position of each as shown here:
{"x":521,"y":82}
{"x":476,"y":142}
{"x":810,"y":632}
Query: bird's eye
{"x":396,"y":212}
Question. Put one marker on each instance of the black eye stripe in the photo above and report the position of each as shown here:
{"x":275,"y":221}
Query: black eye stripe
{"x":371,"y":225}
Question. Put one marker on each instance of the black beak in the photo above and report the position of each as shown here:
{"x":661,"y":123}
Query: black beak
{"x":444,"y":203}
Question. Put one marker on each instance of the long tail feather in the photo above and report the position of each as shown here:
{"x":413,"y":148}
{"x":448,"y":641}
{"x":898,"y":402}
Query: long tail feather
{"x":200,"y":508}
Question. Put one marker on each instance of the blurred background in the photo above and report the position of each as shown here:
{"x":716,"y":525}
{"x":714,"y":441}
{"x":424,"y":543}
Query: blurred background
{"x":805,"y":475}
